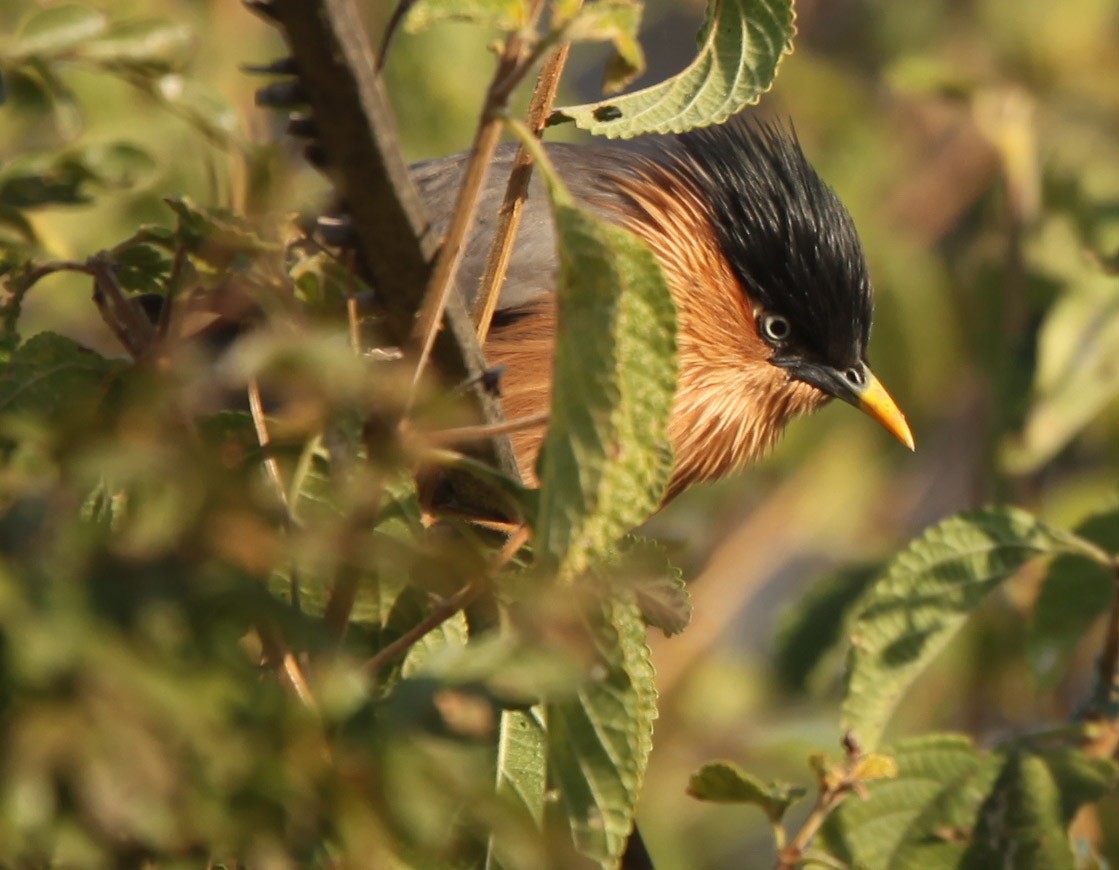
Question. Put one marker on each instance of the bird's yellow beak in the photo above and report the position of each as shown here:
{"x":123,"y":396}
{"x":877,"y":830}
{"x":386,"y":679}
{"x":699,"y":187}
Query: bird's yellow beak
{"x":873,"y":400}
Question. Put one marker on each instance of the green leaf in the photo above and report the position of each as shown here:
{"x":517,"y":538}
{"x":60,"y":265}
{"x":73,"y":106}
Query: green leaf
{"x":201,"y":106}
{"x":927,"y":592}
{"x":1028,"y":812}
{"x":616,"y":22}
{"x":605,"y":461}
{"x":522,"y":770}
{"x":54,"y":31}
{"x":1074,"y":595}
{"x":809,"y":633}
{"x":642,"y":566}
{"x":149,"y":46}
{"x":599,"y":742}
{"x":50,"y":375}
{"x":506,"y":15}
{"x":725,"y":782}
{"x":921,"y":819}
{"x":1075,"y":377}
{"x":217,"y":237}
{"x":741,"y":44}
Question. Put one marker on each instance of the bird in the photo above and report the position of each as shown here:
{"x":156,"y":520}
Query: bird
{"x":770,"y":282}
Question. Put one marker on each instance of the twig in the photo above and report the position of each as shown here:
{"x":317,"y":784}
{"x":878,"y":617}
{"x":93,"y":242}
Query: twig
{"x":447,"y":607}
{"x":286,"y":665}
{"x":132,"y":329}
{"x":439,"y":288}
{"x":477,"y":433}
{"x":256,"y":408}
{"x":516,"y":192}
{"x":351,"y":304}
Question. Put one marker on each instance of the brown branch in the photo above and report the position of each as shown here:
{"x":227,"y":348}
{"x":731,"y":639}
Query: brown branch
{"x":516,"y":192}
{"x":358,"y":133}
{"x":506,"y":77}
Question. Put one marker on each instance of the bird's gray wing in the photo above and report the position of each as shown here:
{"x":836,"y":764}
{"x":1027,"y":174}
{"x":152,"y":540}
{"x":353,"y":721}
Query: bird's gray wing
{"x":532,"y":267}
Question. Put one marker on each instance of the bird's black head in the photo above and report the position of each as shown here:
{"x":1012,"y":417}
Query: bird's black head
{"x":787,"y":237}
{"x":793,"y":248}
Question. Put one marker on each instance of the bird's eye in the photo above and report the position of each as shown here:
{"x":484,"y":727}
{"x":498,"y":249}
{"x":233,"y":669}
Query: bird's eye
{"x":775,"y":328}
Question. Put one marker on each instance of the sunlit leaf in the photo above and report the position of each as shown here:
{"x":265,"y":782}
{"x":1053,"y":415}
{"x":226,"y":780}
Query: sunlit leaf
{"x":741,"y":44}
{"x":1030,"y":807}
{"x":1075,"y":594}
{"x":616,"y":22}
{"x":1076,"y":376}
{"x":605,"y":461}
{"x":725,"y":782}
{"x":925,"y":596}
{"x":599,"y":743}
{"x":54,"y":31}
{"x":507,"y":15}
{"x":150,"y":46}
{"x":642,"y":565}
{"x":921,"y":819}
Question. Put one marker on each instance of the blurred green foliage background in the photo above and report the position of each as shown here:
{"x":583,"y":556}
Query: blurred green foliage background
{"x":976,"y":143}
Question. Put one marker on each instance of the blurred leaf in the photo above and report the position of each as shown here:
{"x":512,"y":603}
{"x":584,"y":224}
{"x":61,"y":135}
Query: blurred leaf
{"x":149,"y":46}
{"x":812,"y":628}
{"x":921,"y":819}
{"x":642,"y":565}
{"x":200,"y":105}
{"x":522,"y":769}
{"x":925,"y":596}
{"x":1075,"y":594}
{"x":604,"y":464}
{"x":599,"y":743}
{"x":1076,"y":373}
{"x":49,"y":375}
{"x":142,"y":268}
{"x":616,"y":22}
{"x":741,"y":44}
{"x":217,"y":237}
{"x":67,"y":177}
{"x":55,"y":30}
{"x":725,"y":782}
{"x":506,"y":15}
{"x":1029,"y":810}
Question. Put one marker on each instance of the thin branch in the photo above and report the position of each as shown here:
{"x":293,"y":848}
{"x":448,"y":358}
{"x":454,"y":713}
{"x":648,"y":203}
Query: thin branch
{"x":256,"y":408}
{"x":134,"y":331}
{"x":516,"y":192}
{"x":447,"y":607}
{"x":442,"y":282}
{"x":477,"y":433}
{"x":284,"y":662}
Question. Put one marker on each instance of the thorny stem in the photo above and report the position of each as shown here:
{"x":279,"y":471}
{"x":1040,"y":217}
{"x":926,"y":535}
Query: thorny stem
{"x":508,"y":74}
{"x":516,"y":192}
{"x":447,"y":607}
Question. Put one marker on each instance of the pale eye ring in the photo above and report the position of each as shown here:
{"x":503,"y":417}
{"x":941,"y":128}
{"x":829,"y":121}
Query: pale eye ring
{"x":775,"y":328}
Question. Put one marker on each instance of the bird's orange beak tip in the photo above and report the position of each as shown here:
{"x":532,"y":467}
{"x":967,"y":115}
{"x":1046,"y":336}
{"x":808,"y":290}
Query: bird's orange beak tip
{"x":879,"y":404}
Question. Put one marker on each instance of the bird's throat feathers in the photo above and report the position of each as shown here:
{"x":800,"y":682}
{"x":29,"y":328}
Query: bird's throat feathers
{"x":732,"y":404}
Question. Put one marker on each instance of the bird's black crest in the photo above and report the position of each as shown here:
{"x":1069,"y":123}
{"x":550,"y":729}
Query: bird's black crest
{"x":788,"y":238}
